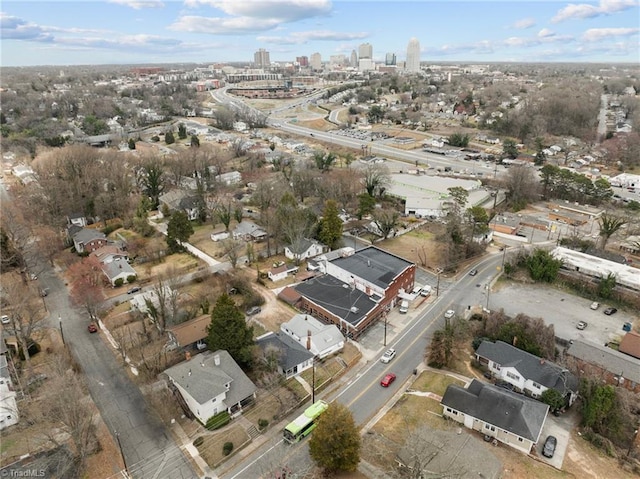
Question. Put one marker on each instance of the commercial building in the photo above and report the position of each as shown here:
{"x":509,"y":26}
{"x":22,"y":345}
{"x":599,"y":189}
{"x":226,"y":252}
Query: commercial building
{"x":316,"y":61}
{"x":261,"y":59}
{"x":413,"y":56}
{"x":365,"y":50}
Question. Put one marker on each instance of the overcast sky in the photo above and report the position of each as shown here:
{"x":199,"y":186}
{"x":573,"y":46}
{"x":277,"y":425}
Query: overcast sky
{"x":207,"y":31}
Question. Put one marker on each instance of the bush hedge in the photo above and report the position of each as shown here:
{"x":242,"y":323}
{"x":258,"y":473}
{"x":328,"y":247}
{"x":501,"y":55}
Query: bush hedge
{"x":219,"y":420}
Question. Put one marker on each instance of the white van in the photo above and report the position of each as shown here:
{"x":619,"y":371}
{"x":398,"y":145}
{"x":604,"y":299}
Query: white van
{"x":417,"y":289}
{"x":404,"y":306}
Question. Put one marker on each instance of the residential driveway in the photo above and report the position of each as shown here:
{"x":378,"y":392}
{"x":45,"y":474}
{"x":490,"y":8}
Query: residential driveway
{"x":562,"y":309}
{"x":560,"y":427}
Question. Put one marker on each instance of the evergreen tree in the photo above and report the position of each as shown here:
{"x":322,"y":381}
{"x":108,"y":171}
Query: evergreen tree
{"x":195,"y":141}
{"x":330,"y":225}
{"x":182,"y":131}
{"x":179,"y":229}
{"x":132,"y":144}
{"x":169,"y":138}
{"x":335,"y":443}
{"x":229,"y":331}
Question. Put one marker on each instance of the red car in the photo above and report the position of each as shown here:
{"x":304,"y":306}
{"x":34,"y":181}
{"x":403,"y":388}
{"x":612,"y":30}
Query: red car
{"x":92,"y":328}
{"x":387,"y":380}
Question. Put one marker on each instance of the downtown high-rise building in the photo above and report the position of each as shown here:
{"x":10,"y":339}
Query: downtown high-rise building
{"x":261,"y":59}
{"x":365,"y":51}
{"x":316,"y":61}
{"x":412,"y":64}
{"x":302,"y":61}
{"x":390,"y":59}
{"x":353,"y":62}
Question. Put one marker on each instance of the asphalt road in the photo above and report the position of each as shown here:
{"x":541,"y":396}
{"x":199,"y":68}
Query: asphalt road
{"x":148,"y":448}
{"x":362,"y":394}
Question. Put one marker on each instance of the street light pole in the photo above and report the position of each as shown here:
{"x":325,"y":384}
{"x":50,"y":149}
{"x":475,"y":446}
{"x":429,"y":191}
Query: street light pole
{"x":438,"y":283}
{"x":385,"y":329}
{"x":126,"y":470}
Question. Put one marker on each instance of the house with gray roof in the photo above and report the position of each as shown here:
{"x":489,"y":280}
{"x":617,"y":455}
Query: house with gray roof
{"x":303,"y":249}
{"x":291,"y":357}
{"x":510,"y":418}
{"x":8,"y":404}
{"x":210,"y":383}
{"x":319,"y":338}
{"x":181,"y":200}
{"x":118,"y":269}
{"x":88,"y":240}
{"x":248,"y":231}
{"x":609,"y":365}
{"x":528,"y":373}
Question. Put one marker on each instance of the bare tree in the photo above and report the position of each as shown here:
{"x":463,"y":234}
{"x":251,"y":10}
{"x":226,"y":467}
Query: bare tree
{"x":231,"y":249}
{"x":522,"y":185}
{"x":66,"y":405}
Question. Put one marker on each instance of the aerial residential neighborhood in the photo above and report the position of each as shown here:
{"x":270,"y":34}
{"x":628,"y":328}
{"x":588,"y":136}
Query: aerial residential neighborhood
{"x":383,"y":261}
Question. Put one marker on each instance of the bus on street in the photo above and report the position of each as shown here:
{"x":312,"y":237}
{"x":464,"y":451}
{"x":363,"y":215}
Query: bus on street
{"x":305,"y":423}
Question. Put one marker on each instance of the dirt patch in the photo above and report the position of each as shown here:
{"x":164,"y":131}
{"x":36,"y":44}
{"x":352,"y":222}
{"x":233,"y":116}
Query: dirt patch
{"x":583,"y":460}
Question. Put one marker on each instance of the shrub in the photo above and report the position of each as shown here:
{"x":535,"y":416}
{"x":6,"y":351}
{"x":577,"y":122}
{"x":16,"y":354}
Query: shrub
{"x":219,"y":420}
{"x":198,"y":441}
{"x":107,"y":230}
{"x":131,"y":278}
{"x":118,"y":282}
{"x":262,"y":423}
{"x":227,"y":448}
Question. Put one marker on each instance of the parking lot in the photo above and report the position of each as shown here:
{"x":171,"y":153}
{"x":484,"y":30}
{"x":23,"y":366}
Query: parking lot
{"x":561,"y":309}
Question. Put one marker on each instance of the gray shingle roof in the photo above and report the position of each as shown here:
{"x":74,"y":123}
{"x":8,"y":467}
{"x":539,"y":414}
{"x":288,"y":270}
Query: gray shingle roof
{"x":607,"y":358}
{"x":352,"y":305}
{"x":531,"y":367}
{"x":116,"y":267}
{"x":87,"y":234}
{"x":204,"y":380}
{"x":504,"y":409}
{"x":290,"y":353}
{"x":374,"y":265}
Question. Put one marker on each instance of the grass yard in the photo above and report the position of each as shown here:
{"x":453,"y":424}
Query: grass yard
{"x":408,"y":413}
{"x":211,"y":448}
{"x":296,"y":388}
{"x":430,"y":381}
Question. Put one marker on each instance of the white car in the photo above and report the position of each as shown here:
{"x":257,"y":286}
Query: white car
{"x":595,"y":305}
{"x":5,"y":319}
{"x":449,"y":314}
{"x":426,"y":291}
{"x":388,"y":355}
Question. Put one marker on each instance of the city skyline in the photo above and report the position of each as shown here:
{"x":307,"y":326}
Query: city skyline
{"x":208,"y":31}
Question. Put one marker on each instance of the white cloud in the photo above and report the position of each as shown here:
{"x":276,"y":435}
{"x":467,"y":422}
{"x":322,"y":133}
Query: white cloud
{"x":595,"y":34}
{"x":524,"y":23}
{"x":297,"y":38}
{"x":285,"y":10}
{"x":223,"y":26}
{"x":14,"y":28}
{"x":545,"y":33}
{"x":250,"y":16}
{"x":584,"y":10}
{"x":139,"y":4}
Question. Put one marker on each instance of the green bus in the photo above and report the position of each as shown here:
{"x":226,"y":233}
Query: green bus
{"x":305,"y":423}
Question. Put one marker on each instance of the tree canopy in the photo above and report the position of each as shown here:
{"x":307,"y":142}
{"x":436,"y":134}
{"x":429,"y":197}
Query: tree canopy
{"x":179,"y":229}
{"x":330,"y":225}
{"x":229,"y":331}
{"x":335,"y":443}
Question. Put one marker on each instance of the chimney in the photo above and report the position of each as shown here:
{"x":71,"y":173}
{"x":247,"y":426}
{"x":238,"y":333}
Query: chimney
{"x":216,"y":360}
{"x":309,"y":340}
{"x":187,"y":355}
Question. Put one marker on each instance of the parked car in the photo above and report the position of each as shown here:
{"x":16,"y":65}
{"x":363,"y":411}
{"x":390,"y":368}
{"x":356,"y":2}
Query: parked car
{"x":581,"y":325}
{"x":388,"y":355}
{"x":5,"y":319}
{"x":404,"y":306}
{"x":387,"y":380}
{"x":595,"y":305}
{"x":610,"y":311}
{"x":549,"y":447}
{"x":473,"y":272}
{"x":135,"y":289}
{"x":449,"y":314}
{"x":417,"y":289}
{"x":426,"y":291}
{"x":253,"y":310}
{"x":92,"y":328}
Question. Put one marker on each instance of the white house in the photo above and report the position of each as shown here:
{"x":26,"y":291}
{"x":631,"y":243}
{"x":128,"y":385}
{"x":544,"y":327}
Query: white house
{"x":306,"y":249}
{"x":210,"y":383}
{"x":118,"y":269}
{"x":278,"y":273}
{"x":8,"y":405}
{"x":139,"y":301}
{"x":220,"y":236}
{"x":321,"y":339}
{"x":510,"y":418}
{"x":526,"y":372}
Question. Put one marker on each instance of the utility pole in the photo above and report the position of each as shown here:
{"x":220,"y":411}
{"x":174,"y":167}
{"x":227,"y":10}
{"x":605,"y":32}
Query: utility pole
{"x":61,"y":332}
{"x":385,"y":329}
{"x":313,"y":380}
{"x":124,"y":461}
{"x":439,"y":270}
